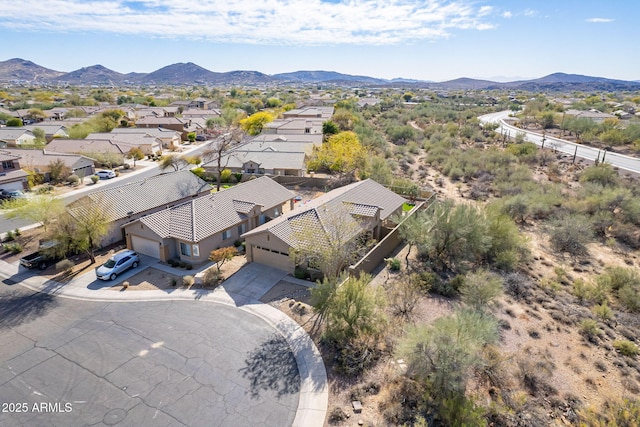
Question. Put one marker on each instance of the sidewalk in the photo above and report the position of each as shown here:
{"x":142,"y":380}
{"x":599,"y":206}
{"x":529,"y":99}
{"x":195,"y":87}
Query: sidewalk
{"x":239,"y":292}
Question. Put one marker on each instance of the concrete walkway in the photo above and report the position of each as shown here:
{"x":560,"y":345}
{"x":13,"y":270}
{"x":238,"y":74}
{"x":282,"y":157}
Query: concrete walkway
{"x":242,"y":290}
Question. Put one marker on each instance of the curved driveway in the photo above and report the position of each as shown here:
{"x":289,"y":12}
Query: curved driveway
{"x":153,"y":363}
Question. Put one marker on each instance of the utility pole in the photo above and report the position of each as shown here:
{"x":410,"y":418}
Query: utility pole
{"x":575,"y":153}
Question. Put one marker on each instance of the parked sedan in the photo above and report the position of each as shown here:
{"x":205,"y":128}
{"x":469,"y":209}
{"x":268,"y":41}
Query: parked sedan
{"x":106,"y":174}
{"x":117,"y":264}
{"x":11,"y":194}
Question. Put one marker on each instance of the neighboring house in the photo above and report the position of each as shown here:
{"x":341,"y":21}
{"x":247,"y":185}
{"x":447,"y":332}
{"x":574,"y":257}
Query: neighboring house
{"x":145,"y":142}
{"x":315,"y":139}
{"x":264,"y":162}
{"x":294,"y":126}
{"x":193,"y":113}
{"x":39,"y":161}
{"x":93,"y":148}
{"x":56,"y":113}
{"x":50,"y":130}
{"x":368,"y":102}
{"x":169,"y":138}
{"x":595,"y":115}
{"x":130,"y":202}
{"x":11,"y":176}
{"x":190,"y":231}
{"x":309,"y":113}
{"x":173,"y":123}
{"x":16,"y":136}
{"x":368,"y":207}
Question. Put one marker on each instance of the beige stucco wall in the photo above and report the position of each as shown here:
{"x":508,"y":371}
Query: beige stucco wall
{"x":268,"y":240}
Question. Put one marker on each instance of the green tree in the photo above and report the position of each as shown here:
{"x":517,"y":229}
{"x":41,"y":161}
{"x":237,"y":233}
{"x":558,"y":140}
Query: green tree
{"x":458,"y":234}
{"x":14,"y":122}
{"x":135,"y":153}
{"x":171,"y":161}
{"x":480,"y":289}
{"x":40,"y":136}
{"x":329,"y":128}
{"x":443,"y":355}
{"x":42,"y":209}
{"x":90,"y":222}
{"x":354,"y":309}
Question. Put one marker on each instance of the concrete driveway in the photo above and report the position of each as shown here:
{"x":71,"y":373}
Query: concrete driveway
{"x":76,"y":363}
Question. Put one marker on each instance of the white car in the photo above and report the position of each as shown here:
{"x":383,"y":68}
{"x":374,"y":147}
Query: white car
{"x":106,"y":174}
{"x":117,"y":264}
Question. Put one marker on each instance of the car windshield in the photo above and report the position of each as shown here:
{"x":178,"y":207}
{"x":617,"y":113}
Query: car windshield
{"x":110,"y":263}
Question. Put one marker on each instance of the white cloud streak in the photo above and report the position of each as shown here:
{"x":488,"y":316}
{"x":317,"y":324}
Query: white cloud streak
{"x":294,"y":22}
{"x":600,"y":20}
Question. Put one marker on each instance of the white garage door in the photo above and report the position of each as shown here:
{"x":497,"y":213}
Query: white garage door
{"x":10,"y":186}
{"x":145,"y":246}
{"x":272,"y":258}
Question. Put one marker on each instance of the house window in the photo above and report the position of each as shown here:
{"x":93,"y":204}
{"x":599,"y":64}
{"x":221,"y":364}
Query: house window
{"x":185,"y":249}
{"x":226,"y":234}
{"x":262,"y":219}
{"x":196,"y":251}
{"x":8,"y":165}
{"x":242,"y":228}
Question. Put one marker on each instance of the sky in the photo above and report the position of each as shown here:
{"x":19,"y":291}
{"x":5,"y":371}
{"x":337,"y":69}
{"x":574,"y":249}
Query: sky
{"x":437,"y":40}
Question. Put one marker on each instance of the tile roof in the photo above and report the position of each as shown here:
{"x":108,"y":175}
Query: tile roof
{"x":140,"y":196}
{"x":13,"y":133}
{"x":266,"y":159}
{"x":319,"y":216}
{"x":42,"y":158}
{"x":203,"y":217}
{"x":87,"y":146}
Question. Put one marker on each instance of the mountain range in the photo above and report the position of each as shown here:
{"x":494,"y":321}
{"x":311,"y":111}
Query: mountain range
{"x":24,"y":71}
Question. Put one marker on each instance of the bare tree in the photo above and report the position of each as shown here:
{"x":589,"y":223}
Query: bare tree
{"x":228,"y":134}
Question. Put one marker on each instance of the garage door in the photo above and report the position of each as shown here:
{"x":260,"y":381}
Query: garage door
{"x":145,"y":246}
{"x":272,"y":258}
{"x":10,"y":186}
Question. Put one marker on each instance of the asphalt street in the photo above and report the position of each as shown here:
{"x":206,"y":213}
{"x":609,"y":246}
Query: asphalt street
{"x":193,"y":363}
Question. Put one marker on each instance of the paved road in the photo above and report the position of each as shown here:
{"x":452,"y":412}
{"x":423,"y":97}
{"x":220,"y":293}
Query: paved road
{"x":190,"y":363}
{"x":628,"y":163}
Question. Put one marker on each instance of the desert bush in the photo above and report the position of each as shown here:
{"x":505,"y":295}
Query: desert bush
{"x":594,"y":293}
{"x":480,"y":289}
{"x":65,"y":266}
{"x":603,"y":174}
{"x":358,"y":354}
{"x":188,"y":280}
{"x":626,"y":348}
{"x":617,"y":278}
{"x":570,"y":234}
{"x":73,"y":179}
{"x":590,"y":330}
{"x":94,"y":178}
{"x":212,"y":278}
{"x":337,"y":415}
{"x":603,"y":311}
{"x":616,"y":412}
{"x":10,"y":236}
{"x":393,"y":264}
{"x":404,"y":295}
{"x":14,"y":248}
{"x":629,"y":297}
{"x":534,"y":374}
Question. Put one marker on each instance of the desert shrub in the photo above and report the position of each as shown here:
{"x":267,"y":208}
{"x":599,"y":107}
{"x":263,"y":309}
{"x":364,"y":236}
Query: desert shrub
{"x":626,"y":348}
{"x":14,"y":248}
{"x":603,"y":174}
{"x":616,"y":412}
{"x":10,"y":236}
{"x":590,"y":330}
{"x":404,"y":295}
{"x":172,"y":263}
{"x":199,"y":172}
{"x":17,"y":232}
{"x":594,"y":293}
{"x":534,"y":374}
{"x":394,"y":264}
{"x":188,"y":280}
{"x":337,"y":415}
{"x":225,"y":175}
{"x":603,"y":311}
{"x":64,"y":266}
{"x":629,"y":297}
{"x":188,"y":266}
{"x":94,"y":178}
{"x":617,"y":278}
{"x":358,"y":354}
{"x":518,"y":285}
{"x":73,"y":179}
{"x":212,"y":278}
{"x":480,"y":289}
{"x":570,"y":234}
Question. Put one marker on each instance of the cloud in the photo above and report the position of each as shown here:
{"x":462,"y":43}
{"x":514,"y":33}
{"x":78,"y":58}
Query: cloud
{"x":507,"y":14}
{"x":530,"y":12}
{"x":294,"y":22}
{"x":600,"y":20}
